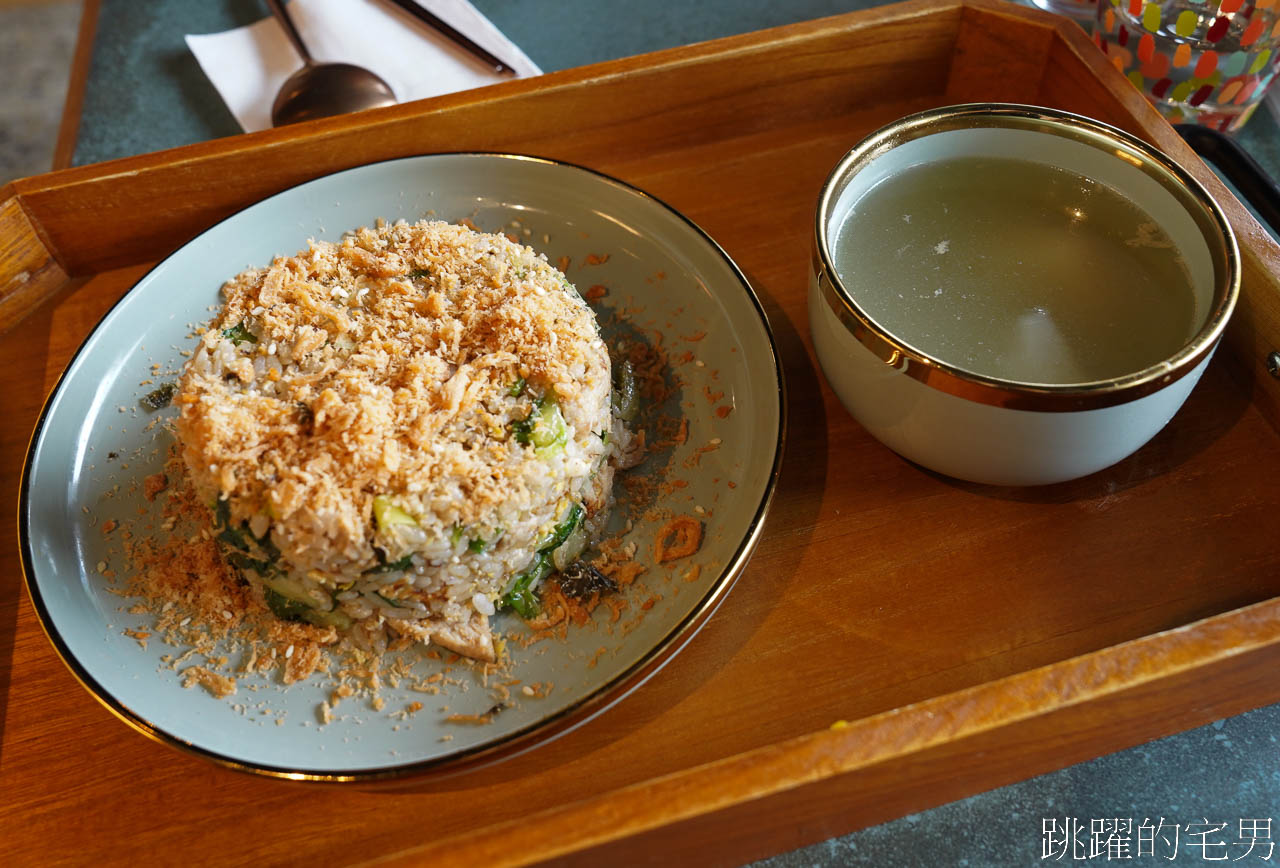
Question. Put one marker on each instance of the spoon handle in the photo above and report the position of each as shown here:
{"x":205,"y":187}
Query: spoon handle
{"x":461,"y":39}
{"x":281,"y":15}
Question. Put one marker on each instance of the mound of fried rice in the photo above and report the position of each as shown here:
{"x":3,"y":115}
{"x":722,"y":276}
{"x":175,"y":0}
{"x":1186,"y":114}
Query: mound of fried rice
{"x":390,"y":428}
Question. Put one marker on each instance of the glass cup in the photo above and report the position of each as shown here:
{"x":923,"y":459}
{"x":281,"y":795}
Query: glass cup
{"x":1208,"y":62}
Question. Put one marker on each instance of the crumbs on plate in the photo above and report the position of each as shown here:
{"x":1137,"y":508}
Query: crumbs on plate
{"x":223,"y":637}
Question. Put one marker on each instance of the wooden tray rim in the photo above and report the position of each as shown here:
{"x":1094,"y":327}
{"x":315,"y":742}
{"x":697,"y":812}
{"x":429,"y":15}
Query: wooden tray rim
{"x":846,"y":747}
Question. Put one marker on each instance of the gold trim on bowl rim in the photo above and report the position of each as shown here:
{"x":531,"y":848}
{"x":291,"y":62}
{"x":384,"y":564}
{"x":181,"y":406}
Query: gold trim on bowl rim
{"x":937,"y":374}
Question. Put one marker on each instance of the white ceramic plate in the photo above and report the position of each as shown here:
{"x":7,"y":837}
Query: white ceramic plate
{"x":94,"y":444}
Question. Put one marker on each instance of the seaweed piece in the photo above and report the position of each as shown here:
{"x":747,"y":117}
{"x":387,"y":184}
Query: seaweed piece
{"x":159,"y":398}
{"x":580,"y":580}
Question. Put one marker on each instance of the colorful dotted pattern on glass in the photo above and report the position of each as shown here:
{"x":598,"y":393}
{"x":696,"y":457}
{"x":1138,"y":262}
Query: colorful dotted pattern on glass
{"x":1196,"y":60}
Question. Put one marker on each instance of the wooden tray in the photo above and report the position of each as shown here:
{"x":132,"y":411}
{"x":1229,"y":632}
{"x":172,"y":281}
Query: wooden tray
{"x":969,"y":636}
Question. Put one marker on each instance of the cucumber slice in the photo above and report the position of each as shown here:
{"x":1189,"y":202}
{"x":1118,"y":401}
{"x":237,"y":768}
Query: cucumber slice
{"x":279,"y":593}
{"x":387,"y":515}
{"x":336,"y":618}
{"x":544,"y":428}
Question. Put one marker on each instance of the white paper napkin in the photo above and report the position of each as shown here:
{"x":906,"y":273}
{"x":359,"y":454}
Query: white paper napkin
{"x":249,"y":64}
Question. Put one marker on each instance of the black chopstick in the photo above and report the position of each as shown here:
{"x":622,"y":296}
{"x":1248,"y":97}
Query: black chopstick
{"x":435,"y":22}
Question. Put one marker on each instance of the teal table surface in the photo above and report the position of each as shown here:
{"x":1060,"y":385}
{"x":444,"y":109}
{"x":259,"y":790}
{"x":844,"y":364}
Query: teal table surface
{"x":1208,"y":795}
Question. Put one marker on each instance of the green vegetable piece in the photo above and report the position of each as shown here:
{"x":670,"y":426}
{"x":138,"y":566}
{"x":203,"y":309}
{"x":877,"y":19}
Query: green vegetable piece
{"x":540,"y":570}
{"x":522,"y":596}
{"x":516,"y":389}
{"x":392,"y":567}
{"x":289,"y":608}
{"x":243,"y":541}
{"x":562,"y":530}
{"x":283,"y":607}
{"x":549,"y":429}
{"x":626,"y":393}
{"x":238,"y":334}
{"x":544,"y":427}
{"x":521,"y":429}
{"x":159,"y":398}
{"x":571,"y":549}
{"x":270,"y":549}
{"x":455,"y":534}
{"x":242,"y":561}
{"x":234,"y":538}
{"x":390,"y":602}
{"x":419,"y":273}
{"x":221,"y":512}
{"x":555,"y":439}
{"x":387,"y":515}
{"x":333,"y":618}
{"x":477,"y":545}
{"x":523,"y":601}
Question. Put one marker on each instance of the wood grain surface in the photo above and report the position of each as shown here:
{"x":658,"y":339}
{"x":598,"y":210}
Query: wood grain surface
{"x":969,"y":636}
{"x":64,"y":149}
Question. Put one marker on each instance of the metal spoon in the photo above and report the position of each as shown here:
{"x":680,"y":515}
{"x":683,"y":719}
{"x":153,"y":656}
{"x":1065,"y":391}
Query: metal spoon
{"x":320,"y":90}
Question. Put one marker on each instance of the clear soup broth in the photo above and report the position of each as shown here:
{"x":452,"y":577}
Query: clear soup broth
{"x":1016,"y":270}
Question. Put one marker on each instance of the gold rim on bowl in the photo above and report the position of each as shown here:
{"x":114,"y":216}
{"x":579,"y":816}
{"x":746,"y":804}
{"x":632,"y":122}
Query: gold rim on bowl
{"x":900,"y":354}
